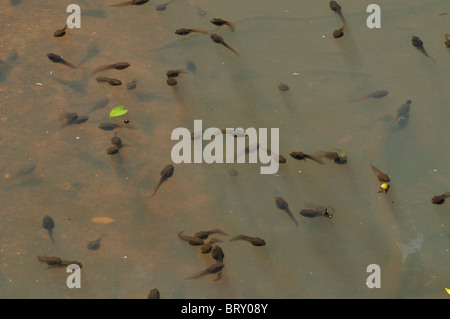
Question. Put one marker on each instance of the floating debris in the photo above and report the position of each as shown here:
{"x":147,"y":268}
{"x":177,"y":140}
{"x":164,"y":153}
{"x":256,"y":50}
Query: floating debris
{"x":103,"y":220}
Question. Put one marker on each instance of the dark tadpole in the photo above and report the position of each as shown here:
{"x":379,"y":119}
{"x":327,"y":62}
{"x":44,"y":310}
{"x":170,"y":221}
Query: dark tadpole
{"x":58,"y":59}
{"x":375,"y":95}
{"x":402,"y":116}
{"x":207,"y":247}
{"x":204,"y":234}
{"x":115,"y":66}
{"x":334,"y":6}
{"x":154,"y":294}
{"x":217,"y":253}
{"x":191,"y":240}
{"x":382,"y":177}
{"x":218,"y":39}
{"x":418,"y":44}
{"x":130,"y":3}
{"x":166,"y":173}
{"x":447,"y":41}
{"x":48,"y":224}
{"x":220,"y":22}
{"x":255,"y":241}
{"x":339,"y":33}
{"x":110,"y":81}
{"x":339,"y":157}
{"x":303,"y":156}
{"x":315,"y":210}
{"x":213,"y":269}
{"x":53,"y":261}
{"x":440,"y":199}
{"x":60,"y":32}
{"x":174,"y":73}
{"x":184,"y":31}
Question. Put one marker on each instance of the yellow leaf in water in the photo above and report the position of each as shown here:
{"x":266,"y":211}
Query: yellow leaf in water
{"x":102,"y":220}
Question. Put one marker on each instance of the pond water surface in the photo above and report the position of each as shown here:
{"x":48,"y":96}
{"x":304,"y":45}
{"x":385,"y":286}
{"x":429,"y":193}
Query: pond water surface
{"x":64,"y":171}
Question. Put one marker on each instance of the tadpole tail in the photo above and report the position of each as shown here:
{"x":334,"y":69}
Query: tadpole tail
{"x":205,"y":272}
{"x":426,"y":54}
{"x":430,"y":57}
{"x":156,"y":188}
{"x":292,"y":217}
{"x":230,"y":25}
{"x":219,"y":276}
{"x":342,"y":18}
{"x":199,"y":31}
{"x":50,"y":233}
{"x":218,"y":231}
{"x":69,"y":64}
{"x":99,"y":69}
{"x":239,"y":237}
{"x":227,"y":46}
{"x":122,"y":4}
{"x":315,"y":159}
{"x":154,"y":193}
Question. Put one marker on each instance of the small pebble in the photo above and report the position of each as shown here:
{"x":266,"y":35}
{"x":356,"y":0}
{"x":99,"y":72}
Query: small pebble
{"x":283,"y":87}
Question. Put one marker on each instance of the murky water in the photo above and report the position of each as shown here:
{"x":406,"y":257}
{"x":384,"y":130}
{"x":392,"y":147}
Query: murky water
{"x":74,"y":180}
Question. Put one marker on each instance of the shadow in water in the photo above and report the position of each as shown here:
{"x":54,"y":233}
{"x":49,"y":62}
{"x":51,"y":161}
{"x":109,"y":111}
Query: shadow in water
{"x":15,"y":2}
{"x":7,"y":66}
{"x":78,"y":86}
{"x":148,"y":96}
{"x":95,"y":13}
{"x":348,"y":49}
{"x":91,"y":52}
{"x":88,"y":158}
{"x":28,"y":182}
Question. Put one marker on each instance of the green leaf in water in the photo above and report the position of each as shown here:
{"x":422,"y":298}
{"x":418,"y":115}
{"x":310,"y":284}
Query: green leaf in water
{"x":118,"y":111}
